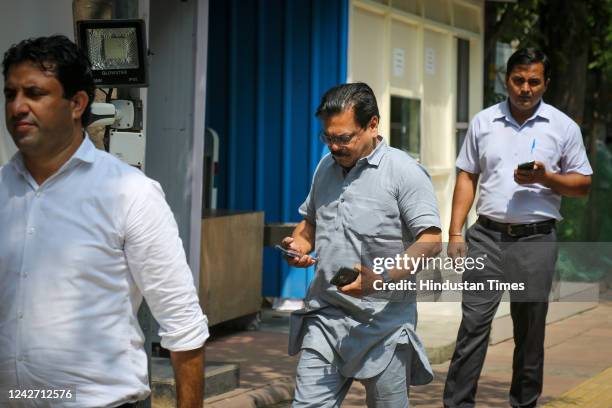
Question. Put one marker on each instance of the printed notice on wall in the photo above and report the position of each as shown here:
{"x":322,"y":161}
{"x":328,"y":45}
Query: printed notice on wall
{"x":430,"y":61}
{"x":399,"y":62}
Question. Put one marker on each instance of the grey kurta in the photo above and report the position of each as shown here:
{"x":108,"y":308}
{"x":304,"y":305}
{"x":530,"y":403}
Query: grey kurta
{"x":386,"y":199}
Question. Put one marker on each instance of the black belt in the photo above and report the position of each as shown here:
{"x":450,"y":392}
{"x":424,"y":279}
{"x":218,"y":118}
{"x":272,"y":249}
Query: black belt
{"x":518,"y":230}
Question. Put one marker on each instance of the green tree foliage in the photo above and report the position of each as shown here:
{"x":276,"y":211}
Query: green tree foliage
{"x":600,"y":22}
{"x":577,"y":37}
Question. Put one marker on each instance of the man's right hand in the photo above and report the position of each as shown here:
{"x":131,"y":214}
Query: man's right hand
{"x":303,"y":261}
{"x":456,"y":247}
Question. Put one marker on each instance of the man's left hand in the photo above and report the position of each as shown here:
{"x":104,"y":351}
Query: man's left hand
{"x":363,"y":285}
{"x":537,"y":175}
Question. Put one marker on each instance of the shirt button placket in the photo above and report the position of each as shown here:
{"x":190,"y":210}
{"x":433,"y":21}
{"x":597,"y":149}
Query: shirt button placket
{"x":340,"y":212}
{"x":342,"y":206}
{"x":31,"y":231}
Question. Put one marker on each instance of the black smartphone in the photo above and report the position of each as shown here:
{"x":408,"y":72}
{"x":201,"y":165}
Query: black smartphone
{"x":344,"y":276}
{"x":287,"y":252}
{"x":527,"y":166}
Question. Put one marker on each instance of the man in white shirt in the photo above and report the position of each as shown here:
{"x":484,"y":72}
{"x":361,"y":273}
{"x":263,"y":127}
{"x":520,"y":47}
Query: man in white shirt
{"x":85,"y":237}
{"x":524,"y":155}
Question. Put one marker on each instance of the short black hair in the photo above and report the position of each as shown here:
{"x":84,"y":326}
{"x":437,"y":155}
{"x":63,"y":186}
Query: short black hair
{"x":358,"y":96}
{"x":59,"y":55}
{"x":526,"y":56}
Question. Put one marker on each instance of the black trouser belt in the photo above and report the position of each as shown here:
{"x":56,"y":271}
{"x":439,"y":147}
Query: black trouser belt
{"x":518,"y":230}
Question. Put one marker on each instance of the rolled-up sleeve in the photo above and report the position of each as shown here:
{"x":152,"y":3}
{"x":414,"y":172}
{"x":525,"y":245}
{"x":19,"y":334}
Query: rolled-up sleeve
{"x":158,"y":265}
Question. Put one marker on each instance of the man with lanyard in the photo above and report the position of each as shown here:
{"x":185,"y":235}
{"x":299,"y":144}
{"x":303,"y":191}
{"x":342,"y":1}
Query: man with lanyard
{"x":85,"y":237}
{"x":517,"y":211}
{"x":362,"y":191}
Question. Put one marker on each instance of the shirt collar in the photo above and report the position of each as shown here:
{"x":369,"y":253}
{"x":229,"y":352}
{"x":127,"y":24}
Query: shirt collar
{"x":85,"y":153}
{"x":503,"y":111}
{"x":377,"y":154}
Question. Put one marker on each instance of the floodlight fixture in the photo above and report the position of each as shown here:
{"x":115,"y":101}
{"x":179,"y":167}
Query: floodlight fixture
{"x":117,"y":51}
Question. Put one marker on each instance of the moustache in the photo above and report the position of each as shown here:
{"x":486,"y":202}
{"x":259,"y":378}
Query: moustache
{"x":26,"y":118}
{"x":340,"y":154}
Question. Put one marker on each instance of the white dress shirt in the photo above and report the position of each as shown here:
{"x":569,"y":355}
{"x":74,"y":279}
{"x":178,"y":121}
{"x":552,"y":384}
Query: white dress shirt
{"x":77,"y":254}
{"x":496,"y":144}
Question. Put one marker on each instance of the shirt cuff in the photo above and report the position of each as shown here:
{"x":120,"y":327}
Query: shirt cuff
{"x":187,"y":338}
{"x":583,"y":170}
{"x":310,"y":219}
{"x":422,"y":223}
{"x":467,"y":167}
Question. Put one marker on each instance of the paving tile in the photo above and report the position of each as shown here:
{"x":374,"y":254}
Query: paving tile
{"x":577,"y":349}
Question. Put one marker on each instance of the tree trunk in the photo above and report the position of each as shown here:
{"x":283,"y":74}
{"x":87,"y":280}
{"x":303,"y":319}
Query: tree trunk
{"x":565,"y":29}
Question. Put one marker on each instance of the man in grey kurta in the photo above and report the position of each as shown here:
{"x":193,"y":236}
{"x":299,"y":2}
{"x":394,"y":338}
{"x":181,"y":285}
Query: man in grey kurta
{"x":364,"y":194}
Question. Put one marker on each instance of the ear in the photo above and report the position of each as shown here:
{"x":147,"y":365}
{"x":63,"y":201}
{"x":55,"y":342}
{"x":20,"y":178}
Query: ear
{"x":373,"y":125}
{"x":79,"y":102}
{"x":546,"y":83}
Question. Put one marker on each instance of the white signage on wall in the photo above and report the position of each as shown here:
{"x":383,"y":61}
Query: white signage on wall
{"x":398,"y":62}
{"x":430,"y":61}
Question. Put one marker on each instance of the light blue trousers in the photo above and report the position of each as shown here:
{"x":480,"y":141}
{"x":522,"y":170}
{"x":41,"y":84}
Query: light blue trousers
{"x":320,"y":385}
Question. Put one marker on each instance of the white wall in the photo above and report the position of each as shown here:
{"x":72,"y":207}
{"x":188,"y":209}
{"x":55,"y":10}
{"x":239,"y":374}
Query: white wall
{"x":424,"y":32}
{"x":23,"y":19}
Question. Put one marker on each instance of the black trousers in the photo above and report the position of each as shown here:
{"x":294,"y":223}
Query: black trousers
{"x":527,"y":260}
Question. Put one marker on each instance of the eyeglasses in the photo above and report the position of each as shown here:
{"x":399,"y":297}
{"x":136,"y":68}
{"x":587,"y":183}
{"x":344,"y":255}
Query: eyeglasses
{"x":338,"y":140}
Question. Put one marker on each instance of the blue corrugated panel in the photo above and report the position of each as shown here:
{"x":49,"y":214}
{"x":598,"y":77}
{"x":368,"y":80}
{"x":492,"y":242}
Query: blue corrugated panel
{"x":269,"y":63}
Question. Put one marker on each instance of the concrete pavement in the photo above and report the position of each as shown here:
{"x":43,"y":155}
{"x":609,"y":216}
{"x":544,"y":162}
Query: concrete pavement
{"x":577,"y":351}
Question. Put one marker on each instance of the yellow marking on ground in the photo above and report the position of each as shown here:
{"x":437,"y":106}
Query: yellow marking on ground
{"x":593,"y":393}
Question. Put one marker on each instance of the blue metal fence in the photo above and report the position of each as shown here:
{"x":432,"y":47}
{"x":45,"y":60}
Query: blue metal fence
{"x":269,"y":63}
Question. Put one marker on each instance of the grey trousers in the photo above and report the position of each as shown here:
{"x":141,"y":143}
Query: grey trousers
{"x":530,"y":260}
{"x":320,"y":385}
